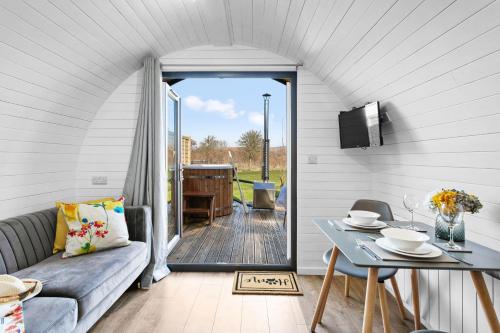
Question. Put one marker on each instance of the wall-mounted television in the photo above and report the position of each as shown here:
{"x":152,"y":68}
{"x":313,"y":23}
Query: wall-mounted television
{"x":360,"y":127}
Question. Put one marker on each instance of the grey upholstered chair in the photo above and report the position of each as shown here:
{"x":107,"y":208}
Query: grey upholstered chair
{"x":344,"y":266}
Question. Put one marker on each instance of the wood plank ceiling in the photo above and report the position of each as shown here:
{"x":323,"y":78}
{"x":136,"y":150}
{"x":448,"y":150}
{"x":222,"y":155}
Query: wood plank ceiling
{"x":78,"y":51}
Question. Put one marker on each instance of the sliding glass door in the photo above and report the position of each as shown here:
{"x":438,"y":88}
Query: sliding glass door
{"x":174,"y":167}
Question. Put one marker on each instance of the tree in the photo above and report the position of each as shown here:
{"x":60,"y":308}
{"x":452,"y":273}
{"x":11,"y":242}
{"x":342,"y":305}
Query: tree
{"x":251,"y":145}
{"x":211,"y":149}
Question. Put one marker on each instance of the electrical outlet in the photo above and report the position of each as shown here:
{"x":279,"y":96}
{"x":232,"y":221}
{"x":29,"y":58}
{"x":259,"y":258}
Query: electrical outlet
{"x":99,"y":180}
{"x":312,"y":159}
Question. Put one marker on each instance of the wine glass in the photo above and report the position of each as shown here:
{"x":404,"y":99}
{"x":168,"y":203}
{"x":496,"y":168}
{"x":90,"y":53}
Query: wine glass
{"x":411,"y":204}
{"x":453,"y":216}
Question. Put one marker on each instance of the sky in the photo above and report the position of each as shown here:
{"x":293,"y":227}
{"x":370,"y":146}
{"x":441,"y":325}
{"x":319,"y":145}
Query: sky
{"x":228,"y":107}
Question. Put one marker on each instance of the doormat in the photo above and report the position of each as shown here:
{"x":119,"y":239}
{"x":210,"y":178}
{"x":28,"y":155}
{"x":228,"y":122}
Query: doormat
{"x":266,"y":283}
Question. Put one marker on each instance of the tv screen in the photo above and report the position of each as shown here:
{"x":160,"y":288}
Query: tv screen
{"x":360,"y":127}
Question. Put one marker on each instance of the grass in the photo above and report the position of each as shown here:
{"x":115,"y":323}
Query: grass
{"x":274,"y":176}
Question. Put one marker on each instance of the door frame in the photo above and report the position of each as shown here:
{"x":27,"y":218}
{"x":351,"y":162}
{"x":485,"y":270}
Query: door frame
{"x":178,"y":174}
{"x":290,"y":76}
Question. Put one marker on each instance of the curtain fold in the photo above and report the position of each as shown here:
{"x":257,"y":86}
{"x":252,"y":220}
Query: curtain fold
{"x":146,"y":176}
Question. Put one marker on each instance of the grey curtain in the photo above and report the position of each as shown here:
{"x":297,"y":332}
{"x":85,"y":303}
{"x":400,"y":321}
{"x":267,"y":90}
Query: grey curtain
{"x":146,"y":177}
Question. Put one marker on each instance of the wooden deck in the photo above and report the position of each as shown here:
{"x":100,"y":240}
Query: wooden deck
{"x":256,"y":238}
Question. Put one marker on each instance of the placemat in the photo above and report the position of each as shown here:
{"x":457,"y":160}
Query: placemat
{"x":345,"y":227}
{"x":386,"y":255}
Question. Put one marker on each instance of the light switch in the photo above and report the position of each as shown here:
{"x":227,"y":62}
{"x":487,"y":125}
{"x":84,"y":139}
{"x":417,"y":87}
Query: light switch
{"x":99,"y":180}
{"x":312,"y":159}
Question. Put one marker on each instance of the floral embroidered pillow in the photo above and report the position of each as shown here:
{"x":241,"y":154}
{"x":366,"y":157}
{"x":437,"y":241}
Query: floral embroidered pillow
{"x":94,"y":227}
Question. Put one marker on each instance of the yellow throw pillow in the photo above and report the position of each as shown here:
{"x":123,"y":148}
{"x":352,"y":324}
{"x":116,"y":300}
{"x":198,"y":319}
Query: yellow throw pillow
{"x":62,"y":227}
{"x":94,"y":227}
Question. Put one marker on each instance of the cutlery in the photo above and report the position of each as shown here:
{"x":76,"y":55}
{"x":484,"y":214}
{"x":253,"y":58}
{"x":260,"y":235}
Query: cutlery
{"x":457,"y":258}
{"x":367,"y":250}
{"x":373,"y":238}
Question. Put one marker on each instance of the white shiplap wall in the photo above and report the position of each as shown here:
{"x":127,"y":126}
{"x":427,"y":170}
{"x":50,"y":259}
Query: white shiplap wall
{"x":440,"y":84}
{"x":106,"y":149}
{"x":324,"y":189}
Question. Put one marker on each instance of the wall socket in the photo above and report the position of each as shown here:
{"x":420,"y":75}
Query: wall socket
{"x":99,"y":180}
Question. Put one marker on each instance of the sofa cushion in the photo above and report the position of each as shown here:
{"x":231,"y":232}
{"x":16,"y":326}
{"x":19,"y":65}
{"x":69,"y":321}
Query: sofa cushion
{"x":87,"y":278}
{"x":50,"y":314}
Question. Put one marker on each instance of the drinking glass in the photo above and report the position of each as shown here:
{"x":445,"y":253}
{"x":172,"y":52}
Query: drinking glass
{"x":453,"y":216}
{"x":411,"y":204}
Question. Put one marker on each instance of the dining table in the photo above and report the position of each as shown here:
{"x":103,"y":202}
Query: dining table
{"x":478,"y":259}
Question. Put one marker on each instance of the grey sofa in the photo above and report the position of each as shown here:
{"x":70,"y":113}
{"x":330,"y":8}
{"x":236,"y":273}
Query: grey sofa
{"x":77,"y":291}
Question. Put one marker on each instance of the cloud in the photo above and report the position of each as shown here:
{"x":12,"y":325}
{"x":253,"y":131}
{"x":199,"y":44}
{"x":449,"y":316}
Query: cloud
{"x":226,"y":109}
{"x":256,"y":118}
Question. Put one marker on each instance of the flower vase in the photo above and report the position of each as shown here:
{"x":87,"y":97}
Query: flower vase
{"x":443,"y":231}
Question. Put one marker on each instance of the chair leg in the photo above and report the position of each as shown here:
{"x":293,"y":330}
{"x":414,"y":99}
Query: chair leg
{"x":415,"y":298}
{"x":384,"y":308}
{"x":347,"y":284}
{"x":325,"y":289}
{"x":401,"y":306}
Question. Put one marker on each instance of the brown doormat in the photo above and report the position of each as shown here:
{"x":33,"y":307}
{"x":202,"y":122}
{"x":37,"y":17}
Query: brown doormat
{"x":266,"y":283}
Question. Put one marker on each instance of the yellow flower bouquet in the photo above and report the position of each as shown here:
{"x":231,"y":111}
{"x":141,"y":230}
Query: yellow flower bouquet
{"x":447,"y":200}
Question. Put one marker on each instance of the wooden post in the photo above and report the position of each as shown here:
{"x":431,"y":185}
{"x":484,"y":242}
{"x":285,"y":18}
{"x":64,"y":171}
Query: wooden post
{"x":484,"y":298}
{"x":325,"y":288}
{"x":416,"y":299}
{"x":371,"y":293}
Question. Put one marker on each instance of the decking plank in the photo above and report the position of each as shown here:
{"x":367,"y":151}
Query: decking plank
{"x":256,"y":238}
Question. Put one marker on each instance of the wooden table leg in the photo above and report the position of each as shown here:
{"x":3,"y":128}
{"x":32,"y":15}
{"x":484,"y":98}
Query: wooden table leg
{"x":325,"y":288}
{"x":371,"y":293}
{"x":484,"y":298}
{"x":399,"y":301}
{"x":416,"y":299}
{"x":384,"y":308}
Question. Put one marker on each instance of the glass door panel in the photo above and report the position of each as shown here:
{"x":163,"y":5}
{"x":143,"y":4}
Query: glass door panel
{"x":174,"y":167}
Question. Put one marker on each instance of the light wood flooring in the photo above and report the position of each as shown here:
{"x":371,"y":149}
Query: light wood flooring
{"x":255,"y":238}
{"x":202,"y":302}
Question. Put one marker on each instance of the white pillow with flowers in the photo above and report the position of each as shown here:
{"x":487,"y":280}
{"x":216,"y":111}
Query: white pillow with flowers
{"x":94,"y":227}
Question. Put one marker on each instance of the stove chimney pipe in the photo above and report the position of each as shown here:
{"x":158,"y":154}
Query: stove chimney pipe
{"x":265,"y":148}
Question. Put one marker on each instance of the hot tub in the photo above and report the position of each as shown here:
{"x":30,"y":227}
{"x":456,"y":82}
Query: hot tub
{"x":213,"y":178}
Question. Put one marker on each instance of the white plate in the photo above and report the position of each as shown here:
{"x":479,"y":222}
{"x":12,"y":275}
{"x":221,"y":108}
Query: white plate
{"x":376,"y":225}
{"x":386,"y":245}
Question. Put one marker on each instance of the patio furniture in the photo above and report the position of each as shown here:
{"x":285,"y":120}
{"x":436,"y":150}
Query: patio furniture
{"x":281,"y":201}
{"x":480,"y":259}
{"x":200,"y":203}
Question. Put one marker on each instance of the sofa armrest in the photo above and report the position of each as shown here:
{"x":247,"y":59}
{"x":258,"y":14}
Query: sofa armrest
{"x":139,"y":223}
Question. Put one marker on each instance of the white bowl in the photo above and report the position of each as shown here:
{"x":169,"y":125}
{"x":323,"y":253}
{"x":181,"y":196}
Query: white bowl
{"x":404,"y":239}
{"x":363,"y":217}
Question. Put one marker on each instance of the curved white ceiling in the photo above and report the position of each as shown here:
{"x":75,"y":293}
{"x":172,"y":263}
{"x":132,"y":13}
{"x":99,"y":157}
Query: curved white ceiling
{"x":73,"y":53}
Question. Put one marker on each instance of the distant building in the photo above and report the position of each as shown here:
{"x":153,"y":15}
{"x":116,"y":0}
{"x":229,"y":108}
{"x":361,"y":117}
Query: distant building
{"x":186,"y":150}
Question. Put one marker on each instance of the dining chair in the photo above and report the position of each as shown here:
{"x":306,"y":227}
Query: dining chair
{"x":344,"y":265}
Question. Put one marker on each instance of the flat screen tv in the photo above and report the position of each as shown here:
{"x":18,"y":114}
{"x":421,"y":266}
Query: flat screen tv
{"x":360,"y":127}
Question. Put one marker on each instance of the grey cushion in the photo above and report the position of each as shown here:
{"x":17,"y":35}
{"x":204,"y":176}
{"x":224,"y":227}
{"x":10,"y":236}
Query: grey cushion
{"x":26,"y":240}
{"x":343,"y":265}
{"x":87,"y":278}
{"x":50,"y":315}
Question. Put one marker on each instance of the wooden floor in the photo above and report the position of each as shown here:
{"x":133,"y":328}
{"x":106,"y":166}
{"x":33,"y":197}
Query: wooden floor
{"x":256,"y":238}
{"x":202,"y":302}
